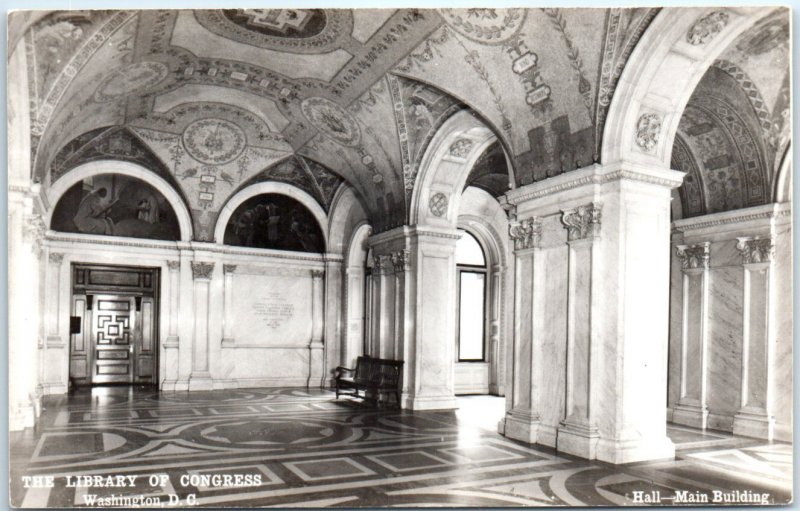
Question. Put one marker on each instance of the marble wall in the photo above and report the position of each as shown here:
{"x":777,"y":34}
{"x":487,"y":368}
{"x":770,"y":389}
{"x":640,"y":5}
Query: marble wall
{"x":747,"y":323}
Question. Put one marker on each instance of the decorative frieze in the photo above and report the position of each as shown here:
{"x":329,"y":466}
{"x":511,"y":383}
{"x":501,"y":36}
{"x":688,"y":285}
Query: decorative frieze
{"x":56,"y":257}
{"x":582,"y":222}
{"x":647,"y":131}
{"x":228,"y":268}
{"x":174,"y":265}
{"x":706,"y":28}
{"x":694,"y":256}
{"x":755,"y":250}
{"x":526,"y":233}
{"x":202,"y":270}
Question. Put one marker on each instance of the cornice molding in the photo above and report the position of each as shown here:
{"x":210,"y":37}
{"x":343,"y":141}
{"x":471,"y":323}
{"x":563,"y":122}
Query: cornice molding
{"x":766,"y":212}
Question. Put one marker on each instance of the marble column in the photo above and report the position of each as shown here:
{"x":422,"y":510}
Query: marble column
{"x":376,"y":283}
{"x":200,"y":378}
{"x":755,"y":417}
{"x":431,"y":316}
{"x":495,"y":307}
{"x":522,"y":418}
{"x":386,"y":308}
{"x":172,"y":342}
{"x":578,"y":433}
{"x":691,"y":408}
{"x":315,"y":356}
{"x":335,"y":338}
{"x":357,"y":298}
{"x":399,"y":263}
{"x":56,"y":355}
{"x":227,"y":305}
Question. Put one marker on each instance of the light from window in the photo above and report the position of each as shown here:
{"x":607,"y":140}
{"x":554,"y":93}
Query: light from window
{"x":468,"y":251}
{"x":470,"y":339}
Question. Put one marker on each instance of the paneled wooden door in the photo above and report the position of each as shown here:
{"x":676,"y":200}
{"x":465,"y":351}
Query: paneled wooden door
{"x":122,"y":339}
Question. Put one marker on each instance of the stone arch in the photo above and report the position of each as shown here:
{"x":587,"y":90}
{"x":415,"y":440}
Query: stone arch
{"x":444,"y":170}
{"x":783,"y":181}
{"x":124,"y":168}
{"x":663,"y":71}
{"x":270,"y":187}
{"x":345,"y":214}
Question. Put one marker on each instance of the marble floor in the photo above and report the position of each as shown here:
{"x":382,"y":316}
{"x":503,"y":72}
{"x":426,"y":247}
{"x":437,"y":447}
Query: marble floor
{"x":302,"y":448}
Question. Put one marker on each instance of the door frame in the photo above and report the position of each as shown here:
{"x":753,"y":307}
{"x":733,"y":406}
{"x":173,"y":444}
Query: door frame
{"x":88,"y":279}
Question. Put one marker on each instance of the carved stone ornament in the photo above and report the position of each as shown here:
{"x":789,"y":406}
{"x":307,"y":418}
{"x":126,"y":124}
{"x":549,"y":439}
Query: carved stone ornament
{"x":647,"y":131}
{"x":401,"y":261}
{"x":202,"y":270}
{"x":461,"y":148}
{"x":755,"y":250}
{"x":174,"y":265}
{"x":228,"y":268}
{"x":706,"y":28}
{"x":33,"y":230}
{"x":438,"y":204}
{"x":317,"y":274}
{"x":526,"y":233}
{"x":56,"y":257}
{"x":582,"y":222}
{"x":694,"y":256}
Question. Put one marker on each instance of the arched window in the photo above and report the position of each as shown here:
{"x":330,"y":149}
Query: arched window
{"x":471,"y":266}
{"x":115,"y":205}
{"x":274,"y":221}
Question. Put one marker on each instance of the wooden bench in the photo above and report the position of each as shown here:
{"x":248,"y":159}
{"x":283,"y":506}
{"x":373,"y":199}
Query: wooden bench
{"x":375,"y":375}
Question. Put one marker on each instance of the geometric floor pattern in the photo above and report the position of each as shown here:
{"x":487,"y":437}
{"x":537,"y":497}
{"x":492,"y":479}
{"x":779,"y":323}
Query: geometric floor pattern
{"x":303,"y":448}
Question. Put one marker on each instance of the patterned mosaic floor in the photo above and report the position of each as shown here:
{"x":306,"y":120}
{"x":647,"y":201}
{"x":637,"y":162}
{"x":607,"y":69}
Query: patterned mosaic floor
{"x":293,"y":447}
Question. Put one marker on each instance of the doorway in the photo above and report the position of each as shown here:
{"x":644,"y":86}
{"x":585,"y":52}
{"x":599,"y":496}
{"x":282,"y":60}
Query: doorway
{"x":114,"y":325}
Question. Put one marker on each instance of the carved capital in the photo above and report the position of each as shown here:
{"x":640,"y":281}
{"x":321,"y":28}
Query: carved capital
{"x":401,"y":261}
{"x":33,"y":229}
{"x":755,"y":250}
{"x":55,"y":257}
{"x":582,"y":222}
{"x":202,"y":270}
{"x":228,"y":268}
{"x":381,"y":264}
{"x":694,"y":256}
{"x":174,"y":265}
{"x":526,"y":233}
{"x":706,"y":28}
{"x":317,"y":274}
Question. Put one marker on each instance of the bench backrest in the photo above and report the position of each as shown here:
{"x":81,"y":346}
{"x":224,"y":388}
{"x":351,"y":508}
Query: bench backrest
{"x":378,"y":371}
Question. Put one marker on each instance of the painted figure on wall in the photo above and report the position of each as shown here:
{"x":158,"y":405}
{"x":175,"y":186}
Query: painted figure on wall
{"x":117,"y":206}
{"x":274,"y":221}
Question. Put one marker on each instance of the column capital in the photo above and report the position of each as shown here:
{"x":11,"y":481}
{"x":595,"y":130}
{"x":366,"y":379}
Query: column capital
{"x":755,"y":250}
{"x":582,"y":222}
{"x":55,"y":258}
{"x":526,"y":233}
{"x":228,"y":268}
{"x":174,"y":265}
{"x":401,"y":261}
{"x":381,"y":264}
{"x":33,"y":229}
{"x":317,"y":274}
{"x":202,"y":270}
{"x":694,"y":256}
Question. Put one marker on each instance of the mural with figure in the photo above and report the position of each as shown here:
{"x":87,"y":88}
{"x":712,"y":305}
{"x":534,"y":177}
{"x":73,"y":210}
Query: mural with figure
{"x":274,"y":221}
{"x":116,"y":205}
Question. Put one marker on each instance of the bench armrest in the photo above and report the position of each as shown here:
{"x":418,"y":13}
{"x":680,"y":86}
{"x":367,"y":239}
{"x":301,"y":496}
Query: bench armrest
{"x":341,"y":371}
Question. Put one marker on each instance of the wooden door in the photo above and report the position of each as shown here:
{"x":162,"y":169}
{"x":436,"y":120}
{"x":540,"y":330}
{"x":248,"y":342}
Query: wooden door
{"x":144,"y":349}
{"x":113,"y":338}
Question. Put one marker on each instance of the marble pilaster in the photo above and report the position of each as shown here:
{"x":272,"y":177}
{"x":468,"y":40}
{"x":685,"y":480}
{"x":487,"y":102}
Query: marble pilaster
{"x":316,"y":347}
{"x":200,"y":378}
{"x":171,"y":344}
{"x":692,"y":409}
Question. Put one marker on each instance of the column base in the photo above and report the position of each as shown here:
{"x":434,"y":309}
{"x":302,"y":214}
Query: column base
{"x":429,"y":402}
{"x":754,"y":422}
{"x":632,"y":450}
{"x":172,"y":341}
{"x":522,"y":425}
{"x":54,"y":388}
{"x":23,"y":417}
{"x":201,"y":381}
{"x":578,"y":439}
{"x":689,"y":414}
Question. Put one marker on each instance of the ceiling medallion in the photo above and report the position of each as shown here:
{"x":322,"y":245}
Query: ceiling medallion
{"x":332,"y":120}
{"x":214,"y":141}
{"x":292,"y":30}
{"x":135,"y":78}
{"x":487,"y":26}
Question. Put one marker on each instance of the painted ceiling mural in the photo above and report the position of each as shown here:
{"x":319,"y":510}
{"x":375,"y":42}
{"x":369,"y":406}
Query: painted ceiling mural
{"x":735,"y":130}
{"x":223,"y":98}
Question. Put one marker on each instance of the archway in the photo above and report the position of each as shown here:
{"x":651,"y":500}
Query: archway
{"x":97,"y":168}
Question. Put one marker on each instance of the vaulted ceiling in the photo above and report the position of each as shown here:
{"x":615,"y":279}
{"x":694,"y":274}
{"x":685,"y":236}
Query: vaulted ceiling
{"x":321,"y":97}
